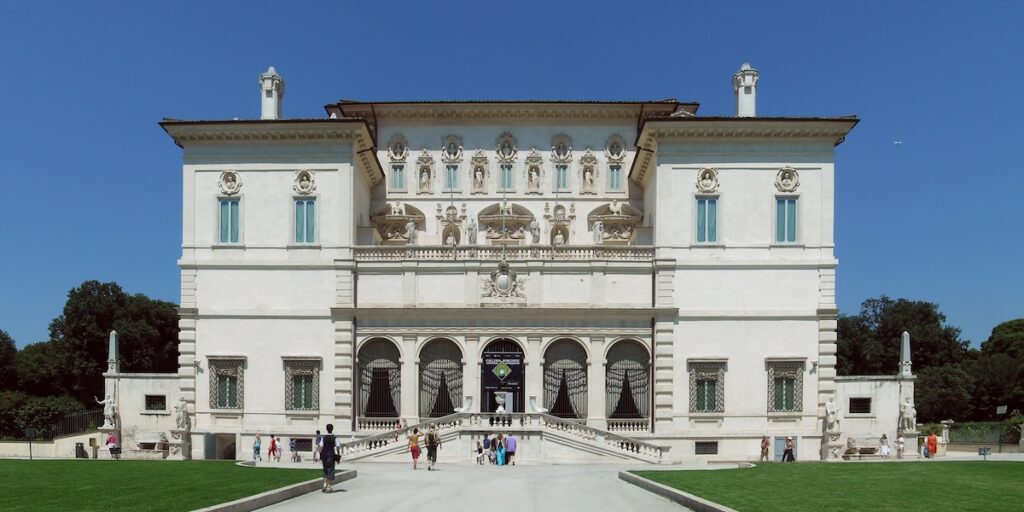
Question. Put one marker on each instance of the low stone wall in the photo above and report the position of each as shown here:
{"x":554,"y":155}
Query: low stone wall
{"x":60,"y":448}
{"x":268,"y":498}
{"x":973,"y":447}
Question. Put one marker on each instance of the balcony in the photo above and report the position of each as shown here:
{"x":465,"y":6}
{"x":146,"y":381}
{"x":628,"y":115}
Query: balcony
{"x":509,"y":253}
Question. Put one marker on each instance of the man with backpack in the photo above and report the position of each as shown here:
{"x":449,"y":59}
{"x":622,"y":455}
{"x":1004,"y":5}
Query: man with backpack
{"x":433,"y":443}
{"x":330,"y":451}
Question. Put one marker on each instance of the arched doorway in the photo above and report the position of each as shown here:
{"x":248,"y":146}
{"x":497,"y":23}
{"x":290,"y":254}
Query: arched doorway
{"x":380,"y":379}
{"x":502,"y":376}
{"x":628,"y":381}
{"x":440,"y":378}
{"x":565,"y":379}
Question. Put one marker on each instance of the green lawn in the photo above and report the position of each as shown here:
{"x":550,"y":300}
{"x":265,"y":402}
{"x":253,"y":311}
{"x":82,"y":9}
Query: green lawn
{"x":875,"y":487}
{"x":134,"y":485}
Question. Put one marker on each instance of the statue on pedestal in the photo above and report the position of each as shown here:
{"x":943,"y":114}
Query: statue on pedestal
{"x":108,"y":410}
{"x":181,"y":414}
{"x":598,"y":233}
{"x":908,"y":416}
{"x":410,"y":232}
{"x":535,"y":232}
{"x":831,"y":417}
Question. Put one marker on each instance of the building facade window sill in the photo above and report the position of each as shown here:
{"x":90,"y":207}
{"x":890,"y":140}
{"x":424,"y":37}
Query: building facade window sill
{"x":155,"y":413}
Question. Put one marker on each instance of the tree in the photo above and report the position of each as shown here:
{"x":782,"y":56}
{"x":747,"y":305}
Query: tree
{"x":1006,"y":338}
{"x":8,"y":373}
{"x":943,"y":392}
{"x":37,"y":366}
{"x":869,"y":342}
{"x":998,"y":380}
{"x":147,"y":334}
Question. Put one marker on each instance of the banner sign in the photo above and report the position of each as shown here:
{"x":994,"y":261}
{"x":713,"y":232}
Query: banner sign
{"x":503,"y":371}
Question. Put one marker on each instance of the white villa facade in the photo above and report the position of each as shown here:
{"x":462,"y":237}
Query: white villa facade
{"x":609,"y":280}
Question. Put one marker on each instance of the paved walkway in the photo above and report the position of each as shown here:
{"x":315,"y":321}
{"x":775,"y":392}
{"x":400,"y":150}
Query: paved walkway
{"x":393,"y":487}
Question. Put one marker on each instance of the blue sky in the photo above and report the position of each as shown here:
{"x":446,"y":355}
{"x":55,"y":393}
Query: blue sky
{"x":91,"y":186}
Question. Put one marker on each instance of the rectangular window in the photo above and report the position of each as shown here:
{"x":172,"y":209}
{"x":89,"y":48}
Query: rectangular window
{"x":860,"y":406}
{"x":785,"y":386}
{"x":156,"y":402}
{"x":302,"y":383}
{"x":227,"y":392}
{"x":451,"y":177}
{"x":302,"y":392}
{"x":305,"y":221}
{"x":615,"y":177}
{"x":707,"y":219}
{"x":705,"y":395}
{"x":398,"y":177}
{"x":229,"y":221}
{"x":561,"y":177}
{"x":226,"y":377}
{"x":705,"y":448}
{"x":707,"y":386}
{"x":506,"y":176}
{"x":785,"y":219}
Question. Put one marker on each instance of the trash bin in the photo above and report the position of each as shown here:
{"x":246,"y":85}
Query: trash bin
{"x":80,"y":451}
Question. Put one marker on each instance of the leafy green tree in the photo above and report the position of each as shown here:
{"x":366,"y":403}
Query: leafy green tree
{"x":1006,"y":338}
{"x":8,"y":373}
{"x":998,"y":380}
{"x":943,"y":392}
{"x":147,"y":333}
{"x":869,"y":342}
{"x":37,"y":368}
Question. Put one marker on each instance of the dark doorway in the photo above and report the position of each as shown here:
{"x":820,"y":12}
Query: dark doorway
{"x":502,"y":374}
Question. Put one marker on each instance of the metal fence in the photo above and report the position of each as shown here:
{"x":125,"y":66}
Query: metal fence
{"x":70,"y":424}
{"x":983,"y":432}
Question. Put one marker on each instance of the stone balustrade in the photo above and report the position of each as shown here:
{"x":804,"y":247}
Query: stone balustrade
{"x":378,"y":424}
{"x":574,"y":428}
{"x":629,"y":425}
{"x":510,"y":253}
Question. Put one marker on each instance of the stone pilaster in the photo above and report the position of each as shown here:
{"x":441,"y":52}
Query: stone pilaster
{"x":409,"y":408}
{"x":344,"y":364}
{"x":471,"y":372}
{"x":534,"y":371}
{"x":187,"y":312}
{"x":832,"y":444}
{"x":663,"y":348}
{"x":596,"y":407}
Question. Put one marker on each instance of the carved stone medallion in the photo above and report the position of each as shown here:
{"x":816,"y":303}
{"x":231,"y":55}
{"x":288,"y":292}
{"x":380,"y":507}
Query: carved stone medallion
{"x":787,"y":180}
{"x":707,"y":180}
{"x":304,"y":182}
{"x":229,"y":183}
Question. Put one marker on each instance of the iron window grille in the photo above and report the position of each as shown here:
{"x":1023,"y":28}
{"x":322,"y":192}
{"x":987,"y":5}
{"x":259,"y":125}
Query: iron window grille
{"x":785,"y":386}
{"x":227,"y":383}
{"x":707,"y":386}
{"x":860,"y":406}
{"x":302,"y":385}
{"x":705,"y":448}
{"x":156,"y":402}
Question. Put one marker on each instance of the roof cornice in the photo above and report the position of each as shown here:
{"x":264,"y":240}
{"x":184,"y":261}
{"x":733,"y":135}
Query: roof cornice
{"x":508,"y":110}
{"x":354,"y":130}
{"x":661,"y":129}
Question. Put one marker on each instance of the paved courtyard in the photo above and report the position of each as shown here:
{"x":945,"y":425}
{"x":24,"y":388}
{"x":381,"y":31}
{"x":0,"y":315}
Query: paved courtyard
{"x":397,"y":488}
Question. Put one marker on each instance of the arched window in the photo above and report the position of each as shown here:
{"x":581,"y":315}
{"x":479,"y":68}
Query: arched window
{"x":440,"y":378}
{"x":628,"y":381}
{"x":380,"y":379}
{"x":565,"y":379}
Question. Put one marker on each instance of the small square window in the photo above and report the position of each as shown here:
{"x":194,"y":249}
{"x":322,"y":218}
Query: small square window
{"x":705,"y":448}
{"x":156,"y":402}
{"x":860,"y":406}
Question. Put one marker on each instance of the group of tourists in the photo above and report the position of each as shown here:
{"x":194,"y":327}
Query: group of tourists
{"x":787,"y":452}
{"x":274,"y":452}
{"x":498,"y":449}
{"x":431,"y":439}
{"x":928,"y":448}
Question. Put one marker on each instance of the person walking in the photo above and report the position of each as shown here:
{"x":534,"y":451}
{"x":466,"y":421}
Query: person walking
{"x":764,"y":449}
{"x":280,"y":448}
{"x":316,"y":447}
{"x":273,"y":449}
{"x":256,"y":449}
{"x":433,"y":444}
{"x":479,"y":454}
{"x":901,"y":445}
{"x":414,"y":446}
{"x":883,"y":447}
{"x":330,"y":453}
{"x":933,"y":445}
{"x":293,"y":447}
{"x":787,"y":454}
{"x":492,"y":454}
{"x":500,"y":452}
{"x":510,"y":449}
{"x":115,"y":454}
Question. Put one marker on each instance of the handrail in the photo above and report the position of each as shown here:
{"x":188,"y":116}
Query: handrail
{"x":497,"y":252}
{"x":392,"y":436}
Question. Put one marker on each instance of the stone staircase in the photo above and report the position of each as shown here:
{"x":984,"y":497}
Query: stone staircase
{"x":542,"y":436}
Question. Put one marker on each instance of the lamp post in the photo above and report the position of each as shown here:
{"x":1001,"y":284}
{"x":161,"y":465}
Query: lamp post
{"x":30,"y":433}
{"x":1001,"y":411}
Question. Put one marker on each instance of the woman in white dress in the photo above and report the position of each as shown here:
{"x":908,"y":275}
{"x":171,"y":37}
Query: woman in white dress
{"x":883,"y":447}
